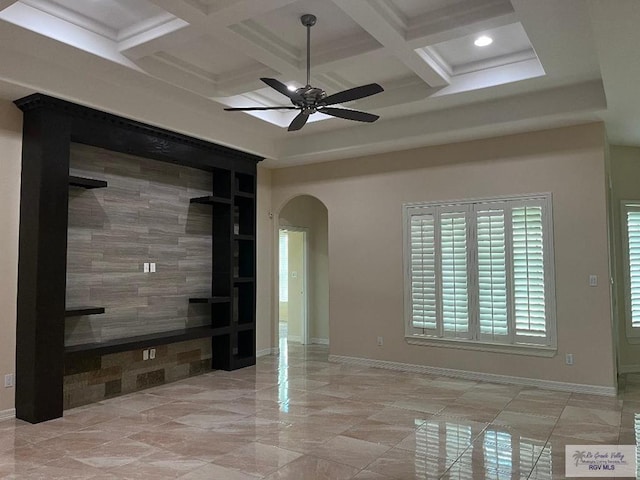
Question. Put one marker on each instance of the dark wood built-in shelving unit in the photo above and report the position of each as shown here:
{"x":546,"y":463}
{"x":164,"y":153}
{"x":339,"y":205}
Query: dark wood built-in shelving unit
{"x":88,"y":183}
{"x":81,"y":311}
{"x":50,"y":126}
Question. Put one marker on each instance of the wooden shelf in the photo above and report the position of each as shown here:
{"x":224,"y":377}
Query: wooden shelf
{"x":87,"y":183}
{"x":245,"y":194}
{"x":241,"y":327}
{"x":244,"y":237}
{"x":80,"y":311}
{"x":143,"y":341}
{"x":210,"y":200}
{"x":210,"y":300}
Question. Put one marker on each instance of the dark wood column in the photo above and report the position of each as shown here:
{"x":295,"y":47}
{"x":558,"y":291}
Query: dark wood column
{"x":42,"y":265}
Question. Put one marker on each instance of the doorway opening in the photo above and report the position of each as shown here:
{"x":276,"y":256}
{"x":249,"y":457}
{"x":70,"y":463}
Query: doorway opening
{"x":293,"y":322}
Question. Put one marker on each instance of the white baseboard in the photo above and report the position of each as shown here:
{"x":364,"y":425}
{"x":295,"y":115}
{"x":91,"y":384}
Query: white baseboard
{"x":485,"y":377}
{"x":629,"y":369}
{"x":7,"y":414}
{"x":320,"y":341}
{"x":267,"y":351}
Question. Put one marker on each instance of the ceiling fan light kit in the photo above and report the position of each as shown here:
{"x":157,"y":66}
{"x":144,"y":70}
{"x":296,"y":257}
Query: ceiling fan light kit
{"x":310,"y":100}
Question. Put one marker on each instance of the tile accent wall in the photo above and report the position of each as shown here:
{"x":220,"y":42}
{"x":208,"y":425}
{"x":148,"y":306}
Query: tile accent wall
{"x":143,"y":215}
{"x":94,"y":378}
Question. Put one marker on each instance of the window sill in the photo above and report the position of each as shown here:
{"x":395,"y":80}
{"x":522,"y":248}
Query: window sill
{"x":633,"y":340}
{"x":531,"y":350}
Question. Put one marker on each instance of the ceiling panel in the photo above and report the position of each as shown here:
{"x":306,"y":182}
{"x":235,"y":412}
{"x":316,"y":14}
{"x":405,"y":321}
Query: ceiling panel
{"x":415,"y":8}
{"x":333,"y":24}
{"x":205,"y":54}
{"x":379,"y":69}
{"x":507,"y":40}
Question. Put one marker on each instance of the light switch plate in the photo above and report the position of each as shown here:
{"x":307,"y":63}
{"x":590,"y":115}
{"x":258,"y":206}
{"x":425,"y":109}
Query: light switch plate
{"x":146,"y":267}
{"x":8,"y":380}
{"x":152,"y":353}
{"x":153,"y":267}
{"x":593,"y":280}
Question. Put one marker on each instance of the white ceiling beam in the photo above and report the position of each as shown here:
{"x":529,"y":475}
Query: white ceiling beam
{"x":371,"y":17}
{"x":6,"y":4}
{"x":166,"y":71}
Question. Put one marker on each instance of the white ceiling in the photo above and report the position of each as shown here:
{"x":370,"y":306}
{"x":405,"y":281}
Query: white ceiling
{"x":177,"y":63}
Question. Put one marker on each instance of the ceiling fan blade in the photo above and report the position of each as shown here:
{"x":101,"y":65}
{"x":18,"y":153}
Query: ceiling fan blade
{"x":282,"y":88}
{"x":353,"y":94}
{"x":246,"y":109}
{"x":356,"y":115}
{"x":298,"y":122}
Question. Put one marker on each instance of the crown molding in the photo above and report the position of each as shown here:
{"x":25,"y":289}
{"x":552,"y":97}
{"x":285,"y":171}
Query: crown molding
{"x":39,"y":101}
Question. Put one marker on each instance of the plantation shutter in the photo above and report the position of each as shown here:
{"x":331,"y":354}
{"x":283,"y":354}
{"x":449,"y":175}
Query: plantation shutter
{"x":528,"y":271}
{"x":453,"y":273}
{"x":482,"y":270}
{"x":633,"y":238}
{"x":423,"y":272}
{"x":492,"y":273}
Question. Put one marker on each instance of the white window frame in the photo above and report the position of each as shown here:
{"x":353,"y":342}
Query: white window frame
{"x":548,"y":346}
{"x":633,"y":333}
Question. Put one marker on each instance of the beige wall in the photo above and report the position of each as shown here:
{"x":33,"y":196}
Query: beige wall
{"x":364,"y":197}
{"x":625,"y":182}
{"x":308,"y":212}
{"x":10,"y":160}
{"x":265,"y":290}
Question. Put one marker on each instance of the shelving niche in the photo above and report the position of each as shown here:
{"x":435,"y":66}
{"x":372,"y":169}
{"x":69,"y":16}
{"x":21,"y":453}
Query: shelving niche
{"x":50,"y":127}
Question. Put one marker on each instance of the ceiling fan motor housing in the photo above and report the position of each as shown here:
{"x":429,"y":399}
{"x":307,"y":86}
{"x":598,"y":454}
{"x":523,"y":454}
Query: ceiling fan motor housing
{"x":310,"y":97}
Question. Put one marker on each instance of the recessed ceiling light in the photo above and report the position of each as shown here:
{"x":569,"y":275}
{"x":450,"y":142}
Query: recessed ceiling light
{"x":483,"y":41}
{"x":291,"y":88}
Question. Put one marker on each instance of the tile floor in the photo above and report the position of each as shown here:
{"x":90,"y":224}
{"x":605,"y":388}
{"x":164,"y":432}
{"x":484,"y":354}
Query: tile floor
{"x":296,"y":416}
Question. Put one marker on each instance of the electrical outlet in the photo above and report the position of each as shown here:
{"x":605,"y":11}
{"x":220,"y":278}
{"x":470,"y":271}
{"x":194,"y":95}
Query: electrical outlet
{"x":593,"y":280}
{"x":8,"y":380}
{"x":146,"y":267}
{"x":152,"y":267}
{"x":380,"y":341}
{"x":569,"y":359}
{"x":145,"y":354}
{"x":152,"y":353}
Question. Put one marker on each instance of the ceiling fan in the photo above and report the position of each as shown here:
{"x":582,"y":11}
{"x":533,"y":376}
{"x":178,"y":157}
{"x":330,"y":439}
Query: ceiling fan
{"x":310,"y":100}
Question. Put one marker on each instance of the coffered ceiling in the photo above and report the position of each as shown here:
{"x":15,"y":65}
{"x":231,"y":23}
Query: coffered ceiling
{"x":178,"y":63}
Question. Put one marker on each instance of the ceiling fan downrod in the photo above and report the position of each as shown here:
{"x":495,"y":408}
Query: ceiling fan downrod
{"x":308,"y":20}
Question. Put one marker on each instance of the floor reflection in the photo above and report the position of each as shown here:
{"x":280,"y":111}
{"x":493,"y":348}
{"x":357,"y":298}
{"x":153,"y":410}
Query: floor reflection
{"x":465,"y":452}
{"x":298,"y":416}
{"x":283,"y":368}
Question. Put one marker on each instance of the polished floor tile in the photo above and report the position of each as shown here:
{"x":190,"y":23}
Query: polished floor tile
{"x":298,"y":416}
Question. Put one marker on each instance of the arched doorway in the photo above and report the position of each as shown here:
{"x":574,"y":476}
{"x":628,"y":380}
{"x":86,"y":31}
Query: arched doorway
{"x":303,"y":273}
